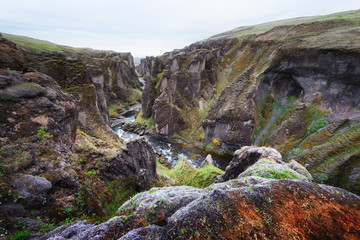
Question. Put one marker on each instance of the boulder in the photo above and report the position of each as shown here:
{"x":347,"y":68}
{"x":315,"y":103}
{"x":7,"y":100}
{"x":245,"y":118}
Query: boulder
{"x":277,"y":170}
{"x":30,"y":190}
{"x":245,"y":157}
{"x":251,"y":207}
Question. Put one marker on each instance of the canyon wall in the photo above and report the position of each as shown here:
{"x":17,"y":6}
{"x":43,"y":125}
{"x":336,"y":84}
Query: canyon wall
{"x":294,"y":86}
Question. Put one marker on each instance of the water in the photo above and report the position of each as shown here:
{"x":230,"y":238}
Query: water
{"x":142,"y":80}
{"x":172,"y":152}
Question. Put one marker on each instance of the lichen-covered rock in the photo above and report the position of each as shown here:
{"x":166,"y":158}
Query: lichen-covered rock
{"x":245,"y":157}
{"x":251,"y":207}
{"x":276,"y":170}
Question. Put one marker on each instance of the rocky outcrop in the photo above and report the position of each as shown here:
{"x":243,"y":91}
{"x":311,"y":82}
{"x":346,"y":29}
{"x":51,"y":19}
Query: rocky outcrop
{"x":247,"y":156}
{"x":263,"y":162}
{"x":179,"y":79}
{"x":97,"y":78}
{"x":250,"y":207}
{"x":11,"y":56}
{"x":34,"y":100}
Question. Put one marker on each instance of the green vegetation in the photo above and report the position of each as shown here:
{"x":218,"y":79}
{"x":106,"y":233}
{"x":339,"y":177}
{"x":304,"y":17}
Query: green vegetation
{"x":41,"y":45}
{"x":183,"y":173}
{"x":115,"y":193}
{"x":23,"y":235}
{"x":43,"y":136}
{"x":274,"y":174}
{"x":114,"y":109}
{"x":320,"y":120}
{"x":242,"y":32}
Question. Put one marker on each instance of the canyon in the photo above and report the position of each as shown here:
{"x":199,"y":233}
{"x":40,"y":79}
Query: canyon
{"x":281,"y":99}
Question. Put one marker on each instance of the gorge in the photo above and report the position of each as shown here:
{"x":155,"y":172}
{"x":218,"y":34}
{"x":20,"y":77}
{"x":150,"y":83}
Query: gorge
{"x":276,"y":105}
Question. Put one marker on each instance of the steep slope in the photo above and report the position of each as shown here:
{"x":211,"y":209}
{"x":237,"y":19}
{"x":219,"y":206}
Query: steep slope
{"x":281,"y":84}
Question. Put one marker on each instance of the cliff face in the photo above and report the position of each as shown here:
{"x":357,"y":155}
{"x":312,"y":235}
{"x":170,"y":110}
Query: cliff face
{"x":293,"y":85}
{"x":58,"y":156}
{"x":97,"y":77}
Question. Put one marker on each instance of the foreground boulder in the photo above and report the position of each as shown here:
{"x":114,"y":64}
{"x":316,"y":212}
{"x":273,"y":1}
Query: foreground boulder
{"x":247,"y":156}
{"x":246,"y":208}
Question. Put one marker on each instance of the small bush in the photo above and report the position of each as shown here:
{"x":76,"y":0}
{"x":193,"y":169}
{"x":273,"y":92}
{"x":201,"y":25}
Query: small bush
{"x":23,"y":235}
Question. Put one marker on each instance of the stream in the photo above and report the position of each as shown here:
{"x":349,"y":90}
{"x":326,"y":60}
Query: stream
{"x":169,"y":151}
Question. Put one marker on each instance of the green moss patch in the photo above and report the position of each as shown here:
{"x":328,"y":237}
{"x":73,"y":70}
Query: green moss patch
{"x":183,"y":173}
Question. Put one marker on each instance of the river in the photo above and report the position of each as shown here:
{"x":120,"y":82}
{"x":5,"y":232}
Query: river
{"x":170,"y":151}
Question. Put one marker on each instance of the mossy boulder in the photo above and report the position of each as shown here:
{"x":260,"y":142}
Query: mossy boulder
{"x":276,"y":170}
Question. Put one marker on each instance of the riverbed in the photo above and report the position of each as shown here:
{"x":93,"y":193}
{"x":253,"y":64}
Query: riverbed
{"x":171,"y":152}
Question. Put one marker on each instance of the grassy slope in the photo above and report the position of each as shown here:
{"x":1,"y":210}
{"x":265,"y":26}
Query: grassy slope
{"x":41,"y":45}
{"x":262,"y":28}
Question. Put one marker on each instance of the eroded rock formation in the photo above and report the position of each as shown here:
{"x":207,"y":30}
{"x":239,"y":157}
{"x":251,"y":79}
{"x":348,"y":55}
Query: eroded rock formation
{"x":293,"y":86}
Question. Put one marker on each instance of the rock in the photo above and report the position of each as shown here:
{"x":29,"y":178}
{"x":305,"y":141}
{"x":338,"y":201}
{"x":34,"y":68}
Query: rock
{"x":208,"y":161}
{"x":161,"y":201}
{"x":300,"y":169}
{"x":11,"y":57}
{"x":23,"y":90}
{"x":30,"y":190}
{"x":136,"y":160}
{"x":231,"y":210}
{"x":276,"y":170}
{"x":11,"y":210}
{"x":26,"y":106}
{"x":245,"y":157}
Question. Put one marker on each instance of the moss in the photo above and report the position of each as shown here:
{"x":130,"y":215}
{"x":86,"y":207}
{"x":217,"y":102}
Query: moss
{"x":114,"y":109}
{"x":158,"y":79}
{"x":183,"y":173}
{"x":135,"y":96}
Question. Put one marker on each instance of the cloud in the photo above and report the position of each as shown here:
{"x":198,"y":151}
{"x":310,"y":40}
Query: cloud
{"x":147,"y":27}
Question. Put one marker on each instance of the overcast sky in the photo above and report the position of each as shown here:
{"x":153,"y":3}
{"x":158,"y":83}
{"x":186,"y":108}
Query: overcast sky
{"x":148,"y":27}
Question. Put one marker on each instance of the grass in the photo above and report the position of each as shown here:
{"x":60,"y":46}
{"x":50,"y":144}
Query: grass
{"x":320,"y":120}
{"x":40,"y":45}
{"x":183,"y":173}
{"x":262,"y":28}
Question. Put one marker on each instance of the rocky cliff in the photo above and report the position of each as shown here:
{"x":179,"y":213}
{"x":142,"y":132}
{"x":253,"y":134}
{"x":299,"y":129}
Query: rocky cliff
{"x":293,"y":85}
{"x":59,"y":158}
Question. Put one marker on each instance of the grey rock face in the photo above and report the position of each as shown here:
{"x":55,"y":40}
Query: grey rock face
{"x":137,"y":160}
{"x":245,"y":157}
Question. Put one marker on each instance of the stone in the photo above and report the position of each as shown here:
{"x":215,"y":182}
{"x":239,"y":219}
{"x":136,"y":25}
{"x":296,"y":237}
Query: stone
{"x":30,"y":190}
{"x":207,"y":161}
{"x":276,"y":170}
{"x":257,"y":207}
{"x":245,"y":157}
